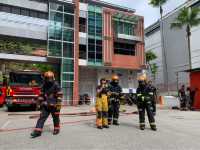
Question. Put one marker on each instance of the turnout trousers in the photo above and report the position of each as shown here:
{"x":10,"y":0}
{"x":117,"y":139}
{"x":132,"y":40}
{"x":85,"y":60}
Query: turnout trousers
{"x":113,"y":112}
{"x":146,"y":106}
{"x":102,"y":111}
{"x":45,"y":112}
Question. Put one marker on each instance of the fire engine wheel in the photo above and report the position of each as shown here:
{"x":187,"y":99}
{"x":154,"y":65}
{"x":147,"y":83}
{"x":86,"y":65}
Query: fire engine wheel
{"x":10,"y":108}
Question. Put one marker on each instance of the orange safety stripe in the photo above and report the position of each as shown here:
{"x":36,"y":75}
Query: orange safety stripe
{"x":38,"y":129}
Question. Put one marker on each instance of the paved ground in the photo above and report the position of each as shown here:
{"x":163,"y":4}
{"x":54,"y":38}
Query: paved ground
{"x":176,"y":131}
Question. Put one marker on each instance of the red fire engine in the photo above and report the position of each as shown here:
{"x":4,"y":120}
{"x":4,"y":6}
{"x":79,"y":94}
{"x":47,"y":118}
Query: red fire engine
{"x":22,"y":89}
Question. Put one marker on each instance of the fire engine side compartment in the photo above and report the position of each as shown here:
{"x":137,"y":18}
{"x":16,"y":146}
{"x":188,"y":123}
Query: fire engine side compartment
{"x":195,"y":83}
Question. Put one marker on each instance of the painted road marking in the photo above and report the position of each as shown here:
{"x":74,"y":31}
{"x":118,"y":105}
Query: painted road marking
{"x":5,"y":124}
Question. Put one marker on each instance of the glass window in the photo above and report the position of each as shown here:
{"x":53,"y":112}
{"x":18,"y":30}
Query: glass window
{"x":99,"y":42}
{"x":68,"y":90}
{"x":68,"y":50}
{"x":68,"y":35}
{"x":82,"y":51}
{"x":42,"y":15}
{"x":33,"y":14}
{"x":91,"y":47}
{"x":15,"y":10}
{"x":91,"y":30}
{"x":69,"y":8}
{"x":68,"y":65}
{"x":124,"y":49}
{"x":91,"y":41}
{"x":55,"y":48}
{"x":98,"y":49}
{"x":98,"y":31}
{"x":56,"y":17}
{"x":55,"y":33}
{"x":91,"y":8}
{"x":68,"y":20}
{"x":91,"y":15}
{"x":98,"y":9}
{"x":6,"y":9}
{"x":99,"y":57}
{"x":57,"y":7}
{"x":67,"y":77}
{"x":24,"y":12}
{"x":91,"y":55}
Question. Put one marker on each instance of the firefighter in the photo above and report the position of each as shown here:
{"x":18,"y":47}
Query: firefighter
{"x":182,"y":97}
{"x":50,"y":103}
{"x":115,"y":91}
{"x":144,"y":102}
{"x":153,"y":88}
{"x":102,"y":105}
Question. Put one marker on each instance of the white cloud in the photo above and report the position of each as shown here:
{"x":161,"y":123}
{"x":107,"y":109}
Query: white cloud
{"x":142,"y":8}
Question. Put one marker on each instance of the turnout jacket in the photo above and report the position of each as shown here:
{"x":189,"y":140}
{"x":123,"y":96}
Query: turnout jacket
{"x":51,"y":93}
{"x":145,"y":93}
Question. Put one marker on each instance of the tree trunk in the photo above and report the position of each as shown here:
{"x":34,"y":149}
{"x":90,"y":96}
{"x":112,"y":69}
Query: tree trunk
{"x":165,"y":67}
{"x":189,"y":48}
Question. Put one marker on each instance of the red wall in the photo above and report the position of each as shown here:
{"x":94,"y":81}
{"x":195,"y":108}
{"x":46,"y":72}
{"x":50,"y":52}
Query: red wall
{"x":195,"y":83}
{"x":126,"y":62}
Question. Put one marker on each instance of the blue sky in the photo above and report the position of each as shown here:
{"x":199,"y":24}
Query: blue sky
{"x":142,"y":8}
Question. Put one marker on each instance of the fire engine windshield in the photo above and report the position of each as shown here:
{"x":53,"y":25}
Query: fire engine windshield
{"x":31,"y":79}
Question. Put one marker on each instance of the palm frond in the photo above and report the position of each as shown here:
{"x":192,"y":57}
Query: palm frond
{"x":157,"y":3}
{"x":187,"y":17}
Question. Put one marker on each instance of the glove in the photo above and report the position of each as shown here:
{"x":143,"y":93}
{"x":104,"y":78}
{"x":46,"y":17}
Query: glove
{"x":58,"y":106}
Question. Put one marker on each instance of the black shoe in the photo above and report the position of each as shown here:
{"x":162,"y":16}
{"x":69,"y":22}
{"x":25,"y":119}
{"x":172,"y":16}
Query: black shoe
{"x":106,"y":126}
{"x":99,"y":127}
{"x":142,"y":127}
{"x":116,"y":123}
{"x":109,"y":123}
{"x":35,"y":134}
{"x":153,"y":128}
{"x":56,"y":131}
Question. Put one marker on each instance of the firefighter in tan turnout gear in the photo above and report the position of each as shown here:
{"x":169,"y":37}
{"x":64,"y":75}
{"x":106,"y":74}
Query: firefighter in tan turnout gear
{"x":144,"y":102}
{"x":50,"y":103}
{"x":102,"y":105}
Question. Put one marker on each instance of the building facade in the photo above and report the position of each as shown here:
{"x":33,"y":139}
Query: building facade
{"x":87,"y":39}
{"x":176,"y":52}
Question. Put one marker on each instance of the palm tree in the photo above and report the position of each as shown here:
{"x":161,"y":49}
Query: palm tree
{"x":160,"y":3}
{"x":150,"y":56}
{"x":188,"y":17}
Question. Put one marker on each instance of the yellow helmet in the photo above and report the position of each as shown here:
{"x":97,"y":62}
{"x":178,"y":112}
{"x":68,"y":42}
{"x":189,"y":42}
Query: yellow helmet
{"x":49,"y":74}
{"x":115,"y":77}
{"x":142,"y":77}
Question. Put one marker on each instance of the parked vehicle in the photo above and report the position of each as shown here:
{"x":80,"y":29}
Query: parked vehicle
{"x":22,"y":89}
{"x":2,"y":96}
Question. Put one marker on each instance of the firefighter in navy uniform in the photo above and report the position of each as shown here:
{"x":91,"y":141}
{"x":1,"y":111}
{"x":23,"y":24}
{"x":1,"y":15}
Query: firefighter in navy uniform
{"x":153,"y":88}
{"x":115,"y":91}
{"x":102,"y":105}
{"x":144,"y":102}
{"x":50,"y":103}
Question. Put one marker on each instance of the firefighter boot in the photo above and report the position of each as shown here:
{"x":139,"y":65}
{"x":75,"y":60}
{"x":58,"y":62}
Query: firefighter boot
{"x":35,"y":134}
{"x":56,"y":131}
{"x":153,"y":126}
{"x":115,"y":122}
{"x":142,"y":126}
{"x":105,"y":126}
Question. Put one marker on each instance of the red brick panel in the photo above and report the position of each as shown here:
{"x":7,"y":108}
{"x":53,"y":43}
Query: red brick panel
{"x":125,"y":62}
{"x":107,"y":37}
{"x":140,"y":46}
{"x":76,"y":56}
